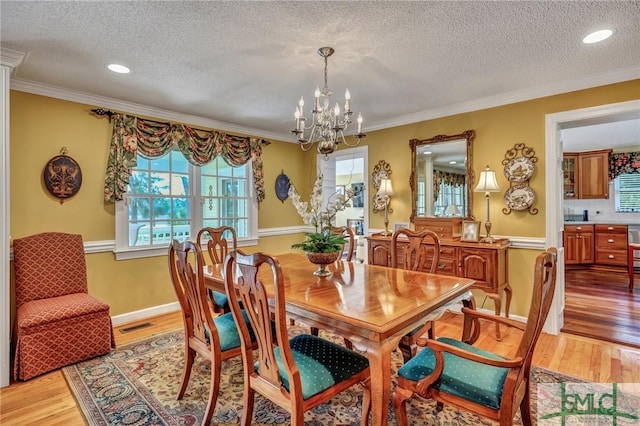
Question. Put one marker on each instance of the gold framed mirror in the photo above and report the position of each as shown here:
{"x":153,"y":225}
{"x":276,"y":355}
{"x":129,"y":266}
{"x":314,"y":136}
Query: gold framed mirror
{"x":442,"y":176}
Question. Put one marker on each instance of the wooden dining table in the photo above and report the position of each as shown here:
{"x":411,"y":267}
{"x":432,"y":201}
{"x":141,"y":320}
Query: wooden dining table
{"x":372,"y":306}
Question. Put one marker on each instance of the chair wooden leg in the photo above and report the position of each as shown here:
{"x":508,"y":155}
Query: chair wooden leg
{"x":525,"y":408}
{"x":248,"y":397}
{"x":214,"y":388}
{"x":399,"y":400}
{"x":189,"y":357}
{"x":315,"y":331}
{"x":348,"y":344}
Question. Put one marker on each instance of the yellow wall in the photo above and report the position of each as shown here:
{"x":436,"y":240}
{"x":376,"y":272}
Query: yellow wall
{"x":40,"y":126}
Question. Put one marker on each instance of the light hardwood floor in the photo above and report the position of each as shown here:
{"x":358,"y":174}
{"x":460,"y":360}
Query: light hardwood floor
{"x":46,"y":400}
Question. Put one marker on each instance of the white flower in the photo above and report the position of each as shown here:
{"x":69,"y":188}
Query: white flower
{"x":312,"y":213}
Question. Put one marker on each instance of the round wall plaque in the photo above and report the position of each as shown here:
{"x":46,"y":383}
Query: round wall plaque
{"x":62,"y":177}
{"x":282,"y":187}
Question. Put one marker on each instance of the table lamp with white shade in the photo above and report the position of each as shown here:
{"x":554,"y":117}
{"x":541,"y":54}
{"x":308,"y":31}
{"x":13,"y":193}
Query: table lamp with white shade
{"x":487,"y":183}
{"x":385,"y":192}
{"x":452,"y":210}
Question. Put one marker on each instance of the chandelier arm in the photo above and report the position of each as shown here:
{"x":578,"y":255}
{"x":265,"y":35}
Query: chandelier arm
{"x":327,"y":124}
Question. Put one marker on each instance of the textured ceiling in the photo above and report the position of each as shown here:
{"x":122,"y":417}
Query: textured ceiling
{"x":243,"y":65}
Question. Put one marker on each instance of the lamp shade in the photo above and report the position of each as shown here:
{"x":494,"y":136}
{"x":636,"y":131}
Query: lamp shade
{"x":452,"y":210}
{"x":487,"y":182}
{"x":385,"y":187}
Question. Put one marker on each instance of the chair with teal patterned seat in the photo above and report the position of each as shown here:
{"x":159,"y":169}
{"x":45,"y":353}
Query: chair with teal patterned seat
{"x":215,"y":339}
{"x":219,"y":241}
{"x":296,"y":374}
{"x":456,"y":373}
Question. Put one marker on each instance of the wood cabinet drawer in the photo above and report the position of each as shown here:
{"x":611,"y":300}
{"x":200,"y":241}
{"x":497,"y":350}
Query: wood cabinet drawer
{"x":447,"y":252}
{"x":447,"y":267}
{"x":578,"y":228}
{"x":611,"y":241}
{"x":611,"y":257}
{"x":612,"y":229}
{"x":447,"y":229}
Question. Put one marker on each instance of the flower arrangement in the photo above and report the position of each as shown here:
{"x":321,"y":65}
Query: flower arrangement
{"x":312,"y":213}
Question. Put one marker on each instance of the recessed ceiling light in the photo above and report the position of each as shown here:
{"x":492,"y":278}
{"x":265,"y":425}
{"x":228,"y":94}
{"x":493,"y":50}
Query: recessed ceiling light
{"x":120,"y":69}
{"x":452,"y":162}
{"x":597,"y":36}
{"x":427,"y":153}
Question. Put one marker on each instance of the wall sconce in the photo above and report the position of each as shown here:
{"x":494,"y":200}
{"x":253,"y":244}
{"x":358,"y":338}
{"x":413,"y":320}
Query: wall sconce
{"x":487,"y":183}
{"x":385,"y":192}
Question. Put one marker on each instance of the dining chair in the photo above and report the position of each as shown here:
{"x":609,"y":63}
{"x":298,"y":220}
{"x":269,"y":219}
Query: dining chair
{"x":412,"y":250}
{"x":57,"y":322}
{"x":295,"y":373}
{"x":216,"y":339}
{"x":217,"y":244}
{"x":457,"y":373}
{"x":349,"y":248}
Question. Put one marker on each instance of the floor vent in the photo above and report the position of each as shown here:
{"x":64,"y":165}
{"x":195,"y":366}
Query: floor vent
{"x":135,"y":327}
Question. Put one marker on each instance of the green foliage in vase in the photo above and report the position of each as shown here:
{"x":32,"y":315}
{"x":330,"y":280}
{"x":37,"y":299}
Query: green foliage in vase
{"x":321,"y":242}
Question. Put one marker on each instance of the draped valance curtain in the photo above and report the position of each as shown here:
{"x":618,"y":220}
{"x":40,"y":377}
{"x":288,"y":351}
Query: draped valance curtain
{"x":624,"y":162}
{"x":440,"y":177}
{"x":151,"y":139}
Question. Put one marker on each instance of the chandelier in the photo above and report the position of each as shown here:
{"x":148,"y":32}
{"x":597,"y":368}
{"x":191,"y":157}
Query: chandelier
{"x":327,"y":125}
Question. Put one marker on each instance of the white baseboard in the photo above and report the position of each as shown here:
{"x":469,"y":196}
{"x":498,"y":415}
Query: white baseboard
{"x":144,"y":314}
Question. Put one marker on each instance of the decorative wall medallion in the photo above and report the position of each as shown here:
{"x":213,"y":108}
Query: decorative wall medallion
{"x":62,"y":176}
{"x":519,"y":167}
{"x":282,"y":186}
{"x":380,"y":170}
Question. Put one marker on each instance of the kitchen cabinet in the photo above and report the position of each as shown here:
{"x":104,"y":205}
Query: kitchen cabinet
{"x":586,"y":174}
{"x":611,"y":245}
{"x":486,"y":263}
{"x":570,"y":175}
{"x":578,"y":244}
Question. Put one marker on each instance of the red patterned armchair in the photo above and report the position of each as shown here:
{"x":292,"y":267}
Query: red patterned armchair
{"x":57,"y":322}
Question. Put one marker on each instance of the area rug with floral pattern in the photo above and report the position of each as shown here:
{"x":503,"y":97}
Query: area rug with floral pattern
{"x":137,"y":383}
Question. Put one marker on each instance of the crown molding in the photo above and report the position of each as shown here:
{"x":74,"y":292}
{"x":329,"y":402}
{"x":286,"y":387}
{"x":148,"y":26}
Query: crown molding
{"x":11,"y":58}
{"x":430,"y":114}
{"x":133,"y":108}
{"x":511,"y":97}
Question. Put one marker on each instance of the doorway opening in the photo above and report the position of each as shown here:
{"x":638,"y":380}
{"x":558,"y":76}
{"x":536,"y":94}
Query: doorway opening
{"x":348,"y":168}
{"x":573,"y":304}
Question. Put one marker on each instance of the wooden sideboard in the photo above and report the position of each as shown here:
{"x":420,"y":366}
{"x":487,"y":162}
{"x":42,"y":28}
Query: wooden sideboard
{"x":486,"y":263}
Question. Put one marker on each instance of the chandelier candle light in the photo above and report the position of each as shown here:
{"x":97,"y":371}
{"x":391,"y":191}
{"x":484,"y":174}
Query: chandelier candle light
{"x":487,"y":184}
{"x":385,"y":191}
{"x":327,"y":125}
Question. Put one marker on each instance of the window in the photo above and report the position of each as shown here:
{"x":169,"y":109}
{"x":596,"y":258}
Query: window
{"x":169,"y":198}
{"x":448,"y":195}
{"x":627,"y":193}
